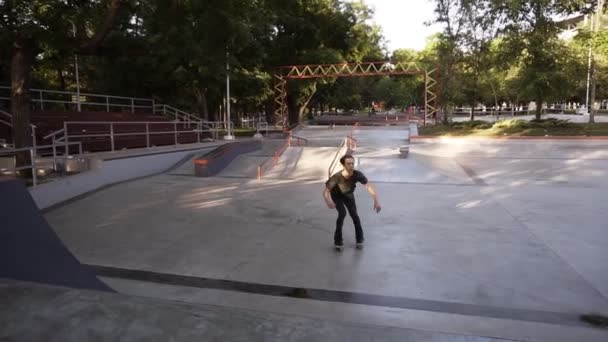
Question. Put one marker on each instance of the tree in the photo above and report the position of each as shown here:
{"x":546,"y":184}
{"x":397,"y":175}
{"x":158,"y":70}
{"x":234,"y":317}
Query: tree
{"x":35,"y":27}
{"x":481,"y":26}
{"x":319,"y":32}
{"x":530,"y":36}
{"x":445,"y":51}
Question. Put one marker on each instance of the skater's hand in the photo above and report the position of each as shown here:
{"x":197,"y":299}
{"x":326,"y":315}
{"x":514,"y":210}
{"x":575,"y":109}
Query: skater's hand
{"x":331,"y":205}
{"x":377,"y":207}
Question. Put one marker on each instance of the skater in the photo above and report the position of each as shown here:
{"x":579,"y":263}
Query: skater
{"x":339,"y":194}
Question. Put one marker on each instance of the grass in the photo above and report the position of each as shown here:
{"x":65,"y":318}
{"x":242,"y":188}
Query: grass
{"x":239,"y":132}
{"x":514,"y":127}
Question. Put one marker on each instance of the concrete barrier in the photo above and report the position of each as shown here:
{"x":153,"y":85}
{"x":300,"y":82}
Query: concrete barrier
{"x":215,"y":161}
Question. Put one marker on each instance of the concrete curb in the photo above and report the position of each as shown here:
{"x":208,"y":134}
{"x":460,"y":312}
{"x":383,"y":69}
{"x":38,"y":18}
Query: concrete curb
{"x":431,"y":137}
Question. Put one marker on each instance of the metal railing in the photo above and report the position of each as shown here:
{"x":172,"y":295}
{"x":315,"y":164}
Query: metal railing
{"x":292,"y":140}
{"x":252,"y":122}
{"x":295,"y":140}
{"x":108,"y":102}
{"x":34,"y":166}
{"x":64,"y":135}
{"x":7,"y":119}
{"x":175,"y":114}
{"x":347,"y":144}
{"x":105,"y":102}
{"x":262,"y":126}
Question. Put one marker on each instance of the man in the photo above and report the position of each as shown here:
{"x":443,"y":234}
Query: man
{"x":339,"y":194}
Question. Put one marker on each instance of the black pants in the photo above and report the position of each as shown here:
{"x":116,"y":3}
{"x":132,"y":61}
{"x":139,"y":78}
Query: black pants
{"x":344,"y":203}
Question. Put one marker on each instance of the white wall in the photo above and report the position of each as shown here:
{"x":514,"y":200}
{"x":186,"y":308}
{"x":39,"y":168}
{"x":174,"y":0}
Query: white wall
{"x":102,"y":173}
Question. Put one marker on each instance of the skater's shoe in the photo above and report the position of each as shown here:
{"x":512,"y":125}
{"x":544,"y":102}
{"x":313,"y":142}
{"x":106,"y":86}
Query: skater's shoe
{"x":338,"y":248}
{"x":359,"y":245}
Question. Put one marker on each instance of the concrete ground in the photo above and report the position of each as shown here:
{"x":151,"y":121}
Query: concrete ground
{"x":490,"y":238}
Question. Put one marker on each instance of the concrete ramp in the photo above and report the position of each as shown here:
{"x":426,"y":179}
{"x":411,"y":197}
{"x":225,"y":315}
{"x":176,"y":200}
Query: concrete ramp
{"x":385,"y":165}
{"x":29,"y":248}
{"x":245,"y":166}
{"x":303,"y":163}
{"x":448,"y":167}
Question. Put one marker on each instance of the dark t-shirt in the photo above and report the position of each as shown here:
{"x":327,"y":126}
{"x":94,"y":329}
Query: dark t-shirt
{"x":342,"y":186}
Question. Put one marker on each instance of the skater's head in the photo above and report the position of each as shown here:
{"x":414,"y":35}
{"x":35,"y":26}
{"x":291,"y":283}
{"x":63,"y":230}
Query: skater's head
{"x":348,"y":162}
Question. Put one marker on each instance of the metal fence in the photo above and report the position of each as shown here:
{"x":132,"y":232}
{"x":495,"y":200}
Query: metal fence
{"x":62,"y":100}
{"x":37,"y":164}
{"x":111,"y":131}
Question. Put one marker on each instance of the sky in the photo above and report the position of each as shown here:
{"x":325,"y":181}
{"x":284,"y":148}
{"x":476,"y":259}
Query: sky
{"x":402,"y":22}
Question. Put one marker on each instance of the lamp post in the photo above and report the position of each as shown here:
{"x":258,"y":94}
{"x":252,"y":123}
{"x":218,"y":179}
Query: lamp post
{"x":228,"y":136}
{"x":76,"y":67}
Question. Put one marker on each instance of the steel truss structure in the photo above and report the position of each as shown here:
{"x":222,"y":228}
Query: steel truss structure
{"x":286,"y":73}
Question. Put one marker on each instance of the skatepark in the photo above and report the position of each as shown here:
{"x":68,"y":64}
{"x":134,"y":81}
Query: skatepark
{"x":478,"y":240}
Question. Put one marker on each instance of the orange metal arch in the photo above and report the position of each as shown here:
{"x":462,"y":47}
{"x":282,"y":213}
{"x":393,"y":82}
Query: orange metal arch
{"x":308,"y":71}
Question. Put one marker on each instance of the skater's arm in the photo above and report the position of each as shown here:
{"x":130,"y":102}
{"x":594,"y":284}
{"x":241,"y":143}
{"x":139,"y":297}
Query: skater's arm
{"x":374,"y":194}
{"x":326,"y":195}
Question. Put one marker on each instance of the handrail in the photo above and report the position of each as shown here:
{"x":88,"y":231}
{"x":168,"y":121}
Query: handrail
{"x":126,"y":101}
{"x":10,"y":124}
{"x":63,"y":135}
{"x":262,"y":126}
{"x":177,"y":113}
{"x":332,"y":164}
{"x":275,"y":158}
{"x":53,"y":134}
{"x":146,"y":125}
{"x":126,"y":122}
{"x":39,"y":147}
{"x":102,"y":100}
{"x":84,"y":94}
{"x":298,"y":139}
{"x":350,"y":143}
{"x":10,"y":116}
{"x":33,"y":155}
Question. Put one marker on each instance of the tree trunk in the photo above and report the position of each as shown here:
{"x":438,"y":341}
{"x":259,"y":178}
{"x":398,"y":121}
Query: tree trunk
{"x":201,"y":102}
{"x":496,"y":101}
{"x":539,"y":108}
{"x":92,"y":44}
{"x":269,"y":111}
{"x":592,"y":110}
{"x":24,"y":51}
{"x":295,"y":110}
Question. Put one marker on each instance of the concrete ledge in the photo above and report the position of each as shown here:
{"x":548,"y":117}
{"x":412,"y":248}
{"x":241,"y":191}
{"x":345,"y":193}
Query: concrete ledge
{"x":215,"y":161}
{"x":507,"y":137}
{"x":104,"y":173}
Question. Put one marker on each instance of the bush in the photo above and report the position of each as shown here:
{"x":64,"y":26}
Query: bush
{"x":512,"y":124}
{"x":475,"y":124}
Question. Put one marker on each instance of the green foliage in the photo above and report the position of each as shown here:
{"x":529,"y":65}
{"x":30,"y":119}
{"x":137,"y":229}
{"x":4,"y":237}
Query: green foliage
{"x":176,"y":51}
{"x":472,"y":124}
{"x":515,"y":127}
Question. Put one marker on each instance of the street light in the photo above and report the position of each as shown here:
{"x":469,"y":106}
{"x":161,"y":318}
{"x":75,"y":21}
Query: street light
{"x":76,"y":67}
{"x":229,"y":136}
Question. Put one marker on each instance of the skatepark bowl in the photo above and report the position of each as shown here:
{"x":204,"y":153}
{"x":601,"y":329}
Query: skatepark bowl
{"x":477,"y":240}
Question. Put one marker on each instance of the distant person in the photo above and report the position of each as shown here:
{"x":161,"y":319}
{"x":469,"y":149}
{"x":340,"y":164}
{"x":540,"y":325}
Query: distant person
{"x":339,"y":194}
